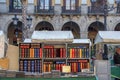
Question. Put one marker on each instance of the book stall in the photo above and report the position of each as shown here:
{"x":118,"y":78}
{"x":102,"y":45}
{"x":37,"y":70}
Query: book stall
{"x":111,"y":40}
{"x":51,"y":52}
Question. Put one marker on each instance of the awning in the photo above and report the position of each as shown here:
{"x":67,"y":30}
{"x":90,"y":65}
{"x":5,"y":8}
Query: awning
{"x":52,"y":36}
{"x":111,"y":37}
{"x":3,"y":40}
{"x":82,"y":41}
{"x":27,"y":40}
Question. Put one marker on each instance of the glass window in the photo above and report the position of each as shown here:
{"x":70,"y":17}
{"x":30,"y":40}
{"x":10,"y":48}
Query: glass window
{"x":17,"y":4}
{"x":2,"y":0}
{"x":111,"y":1}
{"x":57,"y":1}
{"x":70,"y":4}
{"x":84,"y":1}
{"x":44,"y":4}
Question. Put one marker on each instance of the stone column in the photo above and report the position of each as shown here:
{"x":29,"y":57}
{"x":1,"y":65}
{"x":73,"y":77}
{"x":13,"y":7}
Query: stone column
{"x":24,"y":16}
{"x":83,"y":35}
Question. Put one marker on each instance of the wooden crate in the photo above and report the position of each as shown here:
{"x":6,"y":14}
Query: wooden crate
{"x":4,"y":63}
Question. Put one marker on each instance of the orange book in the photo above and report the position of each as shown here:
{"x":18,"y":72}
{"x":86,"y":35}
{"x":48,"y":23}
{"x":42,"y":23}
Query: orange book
{"x":88,"y":65}
{"x":80,"y":53}
{"x":49,"y":68}
{"x":44,"y":67}
{"x":31,"y":52}
{"x":81,"y":65}
{"x":73,"y":53}
{"x":70,"y":52}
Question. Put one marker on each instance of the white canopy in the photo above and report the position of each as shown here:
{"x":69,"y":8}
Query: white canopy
{"x":82,"y":41}
{"x":52,"y":36}
{"x":27,"y":40}
{"x":108,"y":37}
{"x":3,"y":40}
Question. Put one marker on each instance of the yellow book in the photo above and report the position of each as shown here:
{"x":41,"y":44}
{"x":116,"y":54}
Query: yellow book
{"x":31,"y":52}
{"x":70,"y":52}
{"x":88,"y":65}
{"x":80,"y":53}
{"x":44,"y":67}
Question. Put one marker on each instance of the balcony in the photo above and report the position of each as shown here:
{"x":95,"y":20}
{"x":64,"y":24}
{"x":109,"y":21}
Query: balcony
{"x":13,"y":10}
{"x":118,"y":10}
{"x":49,"y":11}
{"x":77,"y":11}
{"x":93,"y":10}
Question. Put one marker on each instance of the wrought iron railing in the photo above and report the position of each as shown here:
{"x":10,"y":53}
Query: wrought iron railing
{"x":96,"y":10}
{"x":76,"y":11}
{"x":49,"y":11}
{"x":118,"y":10}
{"x":13,"y":10}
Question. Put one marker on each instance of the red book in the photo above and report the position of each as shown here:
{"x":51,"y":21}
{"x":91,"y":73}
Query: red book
{"x":73,"y":53}
{"x":57,"y":66}
{"x":64,"y":52}
{"x":61,"y":52}
{"x":23,"y":53}
{"x":40,"y":53}
{"x":52,"y":54}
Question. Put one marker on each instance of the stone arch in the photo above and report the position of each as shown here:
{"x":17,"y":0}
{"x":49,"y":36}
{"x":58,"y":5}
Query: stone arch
{"x":115,"y":25}
{"x":74,"y":27}
{"x":93,"y":28}
{"x":14,"y":33}
{"x":44,"y":25}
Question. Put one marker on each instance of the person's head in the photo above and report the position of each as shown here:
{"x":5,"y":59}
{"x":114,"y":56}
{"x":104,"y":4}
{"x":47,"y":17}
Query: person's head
{"x":118,"y":50}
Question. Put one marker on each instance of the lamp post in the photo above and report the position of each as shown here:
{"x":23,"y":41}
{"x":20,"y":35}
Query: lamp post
{"x":105,"y":10}
{"x":26,"y":21}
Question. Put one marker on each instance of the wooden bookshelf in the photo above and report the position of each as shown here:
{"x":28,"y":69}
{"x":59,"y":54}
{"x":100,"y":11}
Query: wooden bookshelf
{"x":54,"y":57}
{"x":78,"y":56}
{"x":30,"y":57}
{"x":45,"y":57}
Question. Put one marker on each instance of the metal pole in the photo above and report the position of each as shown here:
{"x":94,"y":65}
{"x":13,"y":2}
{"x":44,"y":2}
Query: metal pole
{"x":24,"y":16}
{"x":105,"y":16}
{"x":105,"y":54}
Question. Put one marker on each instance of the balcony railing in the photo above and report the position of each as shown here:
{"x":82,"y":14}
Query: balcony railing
{"x":12,"y":10}
{"x":95,"y":10}
{"x":49,"y":11}
{"x":118,"y":10}
{"x":65,"y":11}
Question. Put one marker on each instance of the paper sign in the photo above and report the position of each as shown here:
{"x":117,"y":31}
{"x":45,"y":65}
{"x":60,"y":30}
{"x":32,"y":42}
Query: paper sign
{"x":66,"y":69}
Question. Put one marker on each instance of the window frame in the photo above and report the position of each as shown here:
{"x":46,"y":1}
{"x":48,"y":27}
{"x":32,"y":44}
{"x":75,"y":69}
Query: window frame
{"x":76,"y":5}
{"x":44,"y":7}
{"x":11,"y":7}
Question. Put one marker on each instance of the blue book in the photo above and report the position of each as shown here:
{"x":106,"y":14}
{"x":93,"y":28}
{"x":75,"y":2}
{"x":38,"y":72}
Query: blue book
{"x":32,"y":66}
{"x":79,"y":69}
{"x":25,"y":65}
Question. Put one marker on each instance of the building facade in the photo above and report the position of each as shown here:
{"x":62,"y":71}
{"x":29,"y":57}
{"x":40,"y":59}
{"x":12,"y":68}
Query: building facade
{"x":83,"y":17}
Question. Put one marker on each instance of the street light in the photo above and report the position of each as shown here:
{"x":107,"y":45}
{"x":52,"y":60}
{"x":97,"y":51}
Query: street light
{"x":26,"y":21}
{"x":29,"y":23}
{"x":105,"y":10}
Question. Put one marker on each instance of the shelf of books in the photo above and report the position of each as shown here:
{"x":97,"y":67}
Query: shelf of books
{"x":54,"y":57}
{"x":30,"y":57}
{"x":44,"y":57}
{"x":78,"y":56}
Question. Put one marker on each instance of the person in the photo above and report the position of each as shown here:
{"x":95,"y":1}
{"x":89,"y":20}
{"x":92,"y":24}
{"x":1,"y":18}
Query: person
{"x":116,"y":58}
